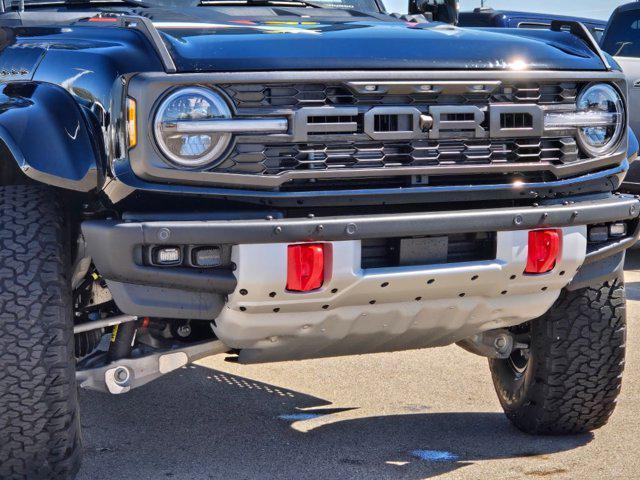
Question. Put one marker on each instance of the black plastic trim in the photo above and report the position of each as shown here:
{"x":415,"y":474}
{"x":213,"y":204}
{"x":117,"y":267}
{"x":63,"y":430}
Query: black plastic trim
{"x":85,"y":184}
{"x":163,"y":302}
{"x":602,"y":181}
{"x":597,"y":272}
{"x":315,"y":76}
{"x":613,"y":247}
{"x":116,"y":251}
{"x":146,"y":27}
{"x":582,"y":32}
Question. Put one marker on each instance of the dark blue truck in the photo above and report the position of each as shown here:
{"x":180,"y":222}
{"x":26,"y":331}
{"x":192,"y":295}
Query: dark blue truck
{"x":621,"y":40}
{"x":288,"y":179}
{"x":488,"y":17}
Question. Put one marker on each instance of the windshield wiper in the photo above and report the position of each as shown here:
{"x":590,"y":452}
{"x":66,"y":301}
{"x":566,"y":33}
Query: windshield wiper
{"x":623,"y":45}
{"x":258,"y":3}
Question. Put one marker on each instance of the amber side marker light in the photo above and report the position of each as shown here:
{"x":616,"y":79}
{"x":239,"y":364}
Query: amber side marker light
{"x":132,"y":127}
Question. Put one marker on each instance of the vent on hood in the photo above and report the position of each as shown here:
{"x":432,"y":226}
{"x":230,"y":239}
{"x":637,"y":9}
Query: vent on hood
{"x":311,"y":94}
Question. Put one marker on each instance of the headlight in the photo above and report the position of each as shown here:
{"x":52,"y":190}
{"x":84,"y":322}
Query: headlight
{"x":601,"y":107}
{"x":189,"y":147}
{"x":599,"y":119}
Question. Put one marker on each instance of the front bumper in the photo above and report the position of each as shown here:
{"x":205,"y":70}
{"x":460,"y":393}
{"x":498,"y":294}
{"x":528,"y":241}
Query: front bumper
{"x":360,"y":315}
{"x":386,"y":309}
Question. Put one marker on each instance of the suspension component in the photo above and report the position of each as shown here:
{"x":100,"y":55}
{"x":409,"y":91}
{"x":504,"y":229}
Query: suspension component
{"x":103,"y":323}
{"x":128,"y":373}
{"x":499,"y":343}
{"x":122,"y":340}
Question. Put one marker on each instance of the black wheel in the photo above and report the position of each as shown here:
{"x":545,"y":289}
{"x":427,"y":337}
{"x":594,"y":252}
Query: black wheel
{"x":568,"y":380}
{"x":39,"y":423}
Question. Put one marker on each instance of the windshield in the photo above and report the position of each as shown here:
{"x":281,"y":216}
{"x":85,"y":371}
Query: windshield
{"x":623,"y":35}
{"x":366,"y":6}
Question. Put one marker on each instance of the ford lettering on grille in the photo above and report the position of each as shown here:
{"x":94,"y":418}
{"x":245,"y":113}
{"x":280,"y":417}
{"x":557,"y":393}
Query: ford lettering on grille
{"x":411,"y":123}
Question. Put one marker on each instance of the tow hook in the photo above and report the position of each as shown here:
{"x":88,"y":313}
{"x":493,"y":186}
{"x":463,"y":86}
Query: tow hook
{"x":498,"y":343}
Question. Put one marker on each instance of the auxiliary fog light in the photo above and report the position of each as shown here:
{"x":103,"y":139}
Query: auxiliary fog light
{"x":168,"y":256}
{"x":206,"y":256}
{"x":618,"y":229}
{"x":598,"y":234}
{"x":604,"y":233}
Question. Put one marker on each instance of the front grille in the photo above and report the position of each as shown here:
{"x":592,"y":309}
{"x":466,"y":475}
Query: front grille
{"x":516,"y":120}
{"x":314,"y":95}
{"x":438,"y":133}
{"x":457,"y":248}
{"x":267,"y":159}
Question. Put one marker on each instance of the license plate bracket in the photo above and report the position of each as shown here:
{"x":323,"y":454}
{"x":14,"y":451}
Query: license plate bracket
{"x":423,"y":250}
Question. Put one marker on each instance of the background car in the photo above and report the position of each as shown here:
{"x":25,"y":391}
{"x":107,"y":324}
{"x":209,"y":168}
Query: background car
{"x":621,"y":40}
{"x":488,"y":17}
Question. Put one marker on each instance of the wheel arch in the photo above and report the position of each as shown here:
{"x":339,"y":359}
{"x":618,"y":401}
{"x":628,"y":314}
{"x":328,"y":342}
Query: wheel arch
{"x":45,"y":136}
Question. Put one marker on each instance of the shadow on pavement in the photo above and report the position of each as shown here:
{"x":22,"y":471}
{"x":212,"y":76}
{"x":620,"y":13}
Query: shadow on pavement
{"x":204,"y":424}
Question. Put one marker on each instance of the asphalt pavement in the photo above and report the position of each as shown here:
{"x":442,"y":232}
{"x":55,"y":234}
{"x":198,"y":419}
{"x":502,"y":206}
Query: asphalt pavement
{"x":409,"y":415}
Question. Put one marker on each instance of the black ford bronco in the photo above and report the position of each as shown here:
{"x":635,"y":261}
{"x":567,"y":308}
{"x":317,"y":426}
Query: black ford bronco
{"x":287,"y":179}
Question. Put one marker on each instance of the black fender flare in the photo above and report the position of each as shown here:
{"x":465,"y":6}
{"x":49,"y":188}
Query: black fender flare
{"x":44,"y":131}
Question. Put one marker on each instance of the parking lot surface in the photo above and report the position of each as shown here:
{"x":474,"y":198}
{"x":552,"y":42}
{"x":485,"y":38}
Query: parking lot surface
{"x":409,"y":415}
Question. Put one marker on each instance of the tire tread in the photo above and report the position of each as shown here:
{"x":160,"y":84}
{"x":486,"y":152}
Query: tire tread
{"x":39,"y":418}
{"x":578,"y":361}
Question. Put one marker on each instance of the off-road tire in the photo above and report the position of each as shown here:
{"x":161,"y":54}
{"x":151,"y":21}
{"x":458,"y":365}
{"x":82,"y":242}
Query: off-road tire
{"x":39,"y":422}
{"x":574,"y":370}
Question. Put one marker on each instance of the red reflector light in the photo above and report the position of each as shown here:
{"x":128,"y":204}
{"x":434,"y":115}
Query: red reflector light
{"x":544,"y":247}
{"x":305,"y":267}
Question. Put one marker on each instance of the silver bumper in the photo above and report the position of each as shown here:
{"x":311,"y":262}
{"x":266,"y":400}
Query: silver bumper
{"x":386,"y":309}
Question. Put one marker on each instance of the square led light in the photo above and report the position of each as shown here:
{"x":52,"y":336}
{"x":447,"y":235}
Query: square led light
{"x":618,"y":229}
{"x":598,"y":234}
{"x":168,"y":256}
{"x":207,"y":257}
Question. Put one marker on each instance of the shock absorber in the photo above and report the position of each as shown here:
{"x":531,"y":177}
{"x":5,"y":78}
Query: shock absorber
{"x":122,"y":339}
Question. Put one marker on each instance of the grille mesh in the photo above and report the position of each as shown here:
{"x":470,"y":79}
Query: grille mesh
{"x":330,"y":151}
{"x":275,"y":159}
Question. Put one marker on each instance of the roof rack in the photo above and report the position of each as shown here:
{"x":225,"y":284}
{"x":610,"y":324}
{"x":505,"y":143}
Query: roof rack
{"x":579,"y":30}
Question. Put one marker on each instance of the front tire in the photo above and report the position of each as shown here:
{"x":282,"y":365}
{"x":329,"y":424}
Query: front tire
{"x":39,"y":422}
{"x":568,"y":381}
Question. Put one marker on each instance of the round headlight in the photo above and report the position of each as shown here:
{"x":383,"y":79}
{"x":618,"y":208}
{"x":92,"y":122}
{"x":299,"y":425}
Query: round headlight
{"x":602,"y":104}
{"x":187,"y":148}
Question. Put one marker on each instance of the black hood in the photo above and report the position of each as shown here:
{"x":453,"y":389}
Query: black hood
{"x":222,"y":42}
